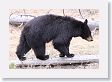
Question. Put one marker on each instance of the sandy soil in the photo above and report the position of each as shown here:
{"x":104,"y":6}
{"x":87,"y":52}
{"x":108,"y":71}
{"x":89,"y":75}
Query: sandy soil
{"x":77,"y":45}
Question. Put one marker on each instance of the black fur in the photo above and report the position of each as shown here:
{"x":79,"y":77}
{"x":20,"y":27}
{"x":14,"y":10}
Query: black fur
{"x":43,"y":29}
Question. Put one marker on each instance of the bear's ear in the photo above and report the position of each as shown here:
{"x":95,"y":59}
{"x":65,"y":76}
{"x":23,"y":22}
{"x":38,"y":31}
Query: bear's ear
{"x":86,"y":21}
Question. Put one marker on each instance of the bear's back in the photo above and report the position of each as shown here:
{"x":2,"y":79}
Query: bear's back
{"x":44,"y":20}
{"x":51,"y":26}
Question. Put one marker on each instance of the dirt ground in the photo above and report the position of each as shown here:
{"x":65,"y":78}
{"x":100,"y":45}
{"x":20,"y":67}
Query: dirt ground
{"x":77,"y":45}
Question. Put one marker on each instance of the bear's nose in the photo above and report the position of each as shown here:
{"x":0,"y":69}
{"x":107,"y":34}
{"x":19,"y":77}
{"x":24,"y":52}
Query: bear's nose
{"x":91,"y":39}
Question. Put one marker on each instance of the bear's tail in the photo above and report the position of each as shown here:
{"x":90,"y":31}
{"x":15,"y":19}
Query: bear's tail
{"x":22,"y":48}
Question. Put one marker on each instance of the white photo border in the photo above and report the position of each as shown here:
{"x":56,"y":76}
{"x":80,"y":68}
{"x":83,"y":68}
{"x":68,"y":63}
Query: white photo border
{"x":102,"y":72}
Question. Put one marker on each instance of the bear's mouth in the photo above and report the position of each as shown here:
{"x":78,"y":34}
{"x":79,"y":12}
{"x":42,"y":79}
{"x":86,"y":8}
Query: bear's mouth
{"x":89,"y":39}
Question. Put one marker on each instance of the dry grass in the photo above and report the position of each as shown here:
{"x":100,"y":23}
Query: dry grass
{"x":86,"y":13}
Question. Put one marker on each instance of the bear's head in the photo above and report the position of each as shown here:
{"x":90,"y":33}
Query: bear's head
{"x":86,"y":33}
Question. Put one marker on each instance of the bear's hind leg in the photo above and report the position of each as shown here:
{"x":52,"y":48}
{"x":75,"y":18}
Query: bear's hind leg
{"x":22,"y":49}
{"x":63,"y":49}
{"x":39,"y":51}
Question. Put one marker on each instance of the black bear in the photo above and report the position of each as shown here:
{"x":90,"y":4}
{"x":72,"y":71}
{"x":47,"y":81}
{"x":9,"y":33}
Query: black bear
{"x":43,"y":29}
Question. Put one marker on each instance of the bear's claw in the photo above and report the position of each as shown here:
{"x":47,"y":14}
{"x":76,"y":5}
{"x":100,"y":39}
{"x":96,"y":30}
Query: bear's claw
{"x":70,"y":55}
{"x":61,"y":55}
{"x":22,"y":58}
{"x":43,"y":57}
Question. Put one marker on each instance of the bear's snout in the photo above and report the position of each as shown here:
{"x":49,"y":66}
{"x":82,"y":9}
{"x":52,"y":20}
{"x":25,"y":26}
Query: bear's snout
{"x":89,"y":38}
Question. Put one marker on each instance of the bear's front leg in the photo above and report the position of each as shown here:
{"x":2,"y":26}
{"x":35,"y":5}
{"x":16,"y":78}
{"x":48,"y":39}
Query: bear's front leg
{"x":69,"y":55}
{"x":63,"y":49}
{"x":39,"y":51}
